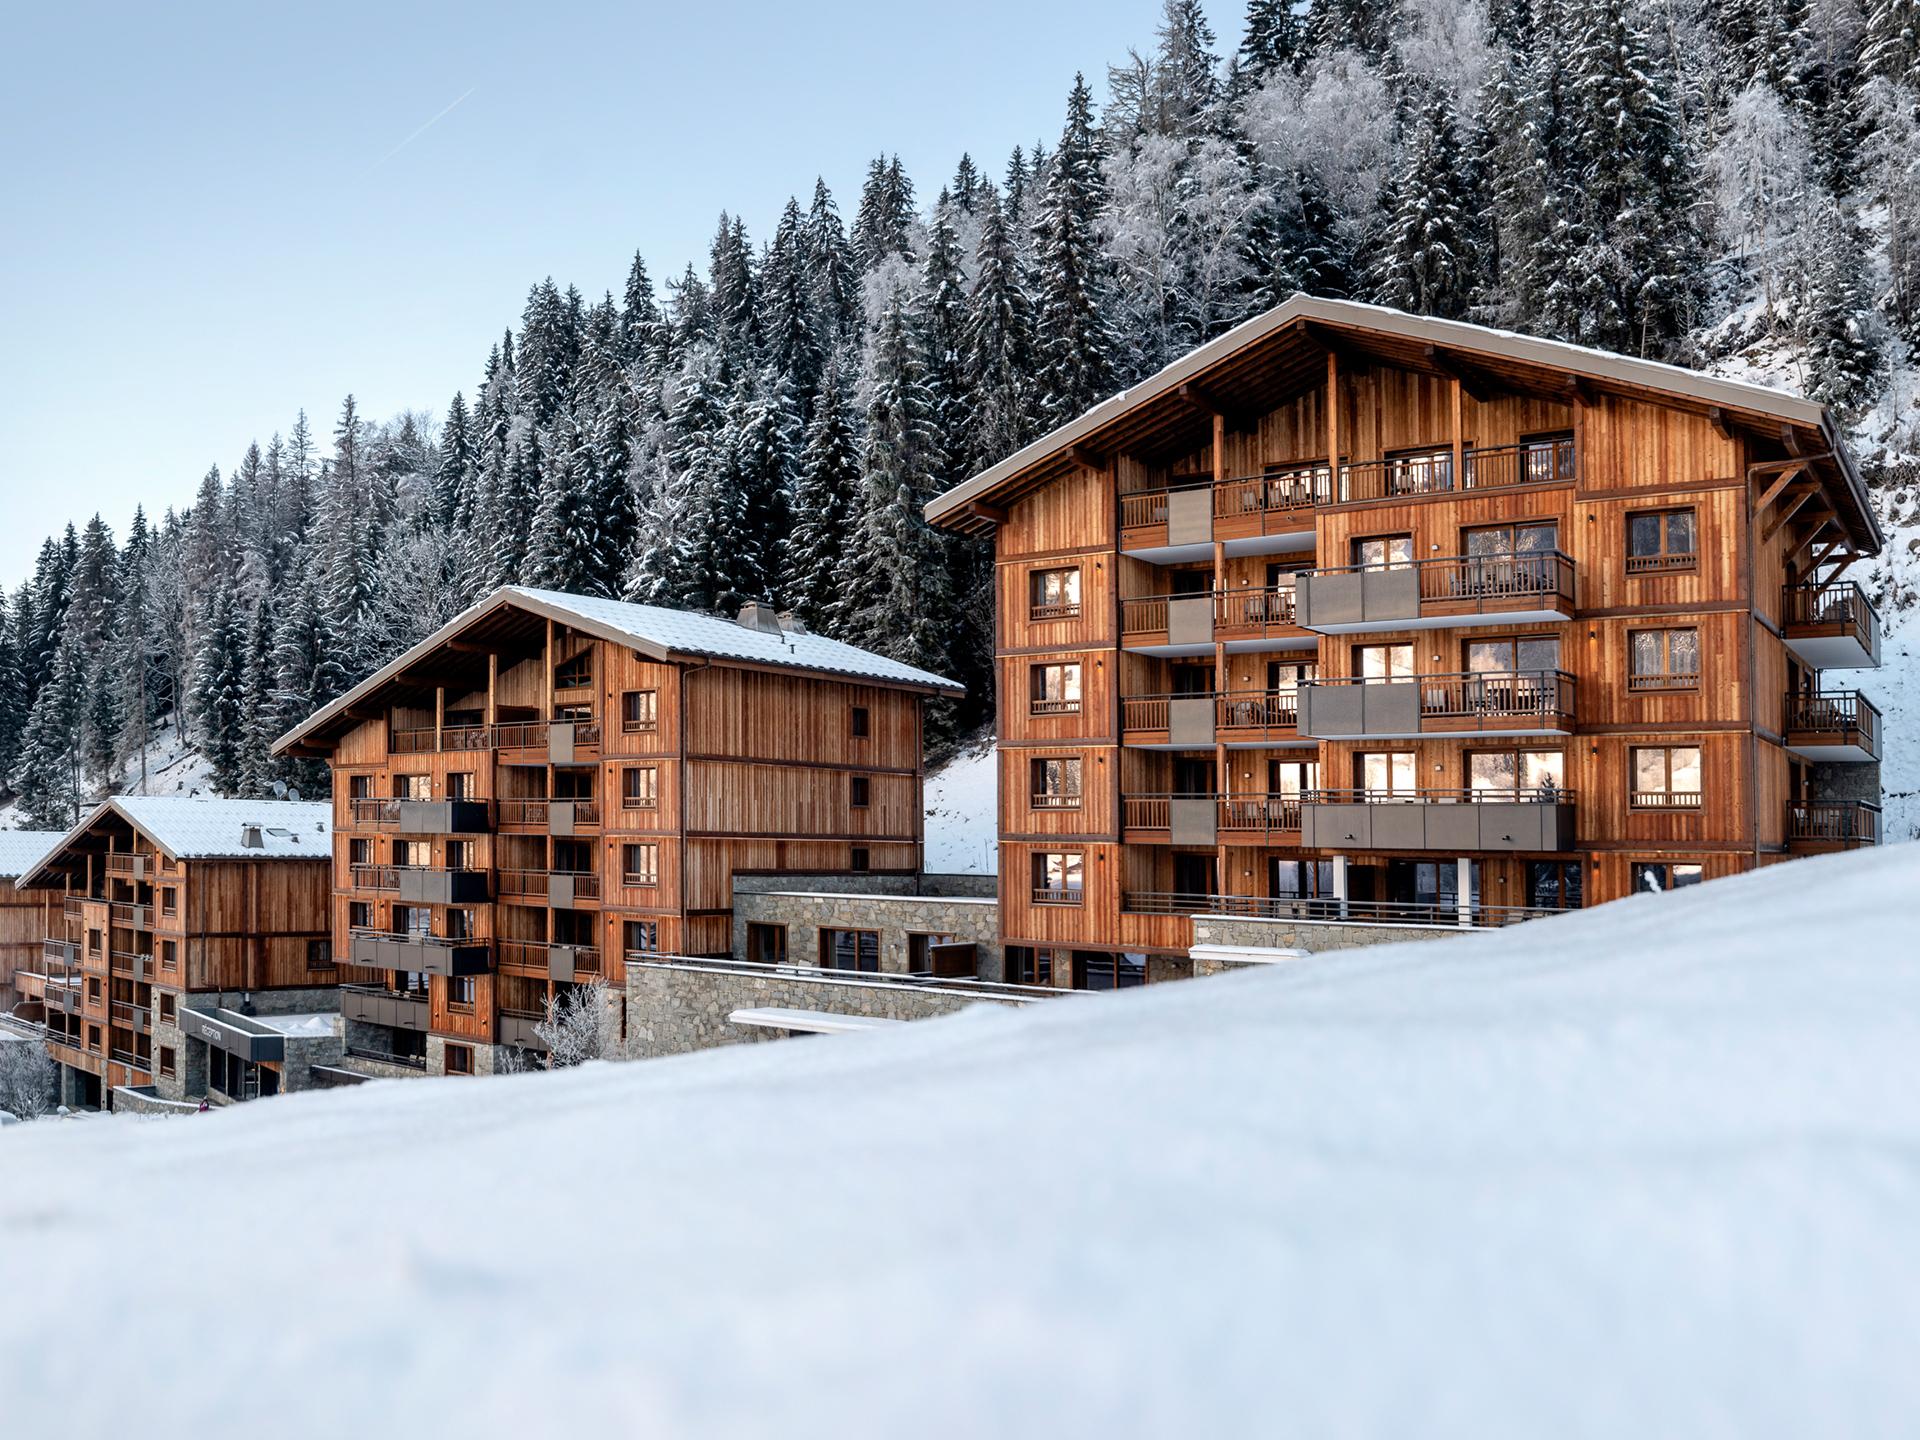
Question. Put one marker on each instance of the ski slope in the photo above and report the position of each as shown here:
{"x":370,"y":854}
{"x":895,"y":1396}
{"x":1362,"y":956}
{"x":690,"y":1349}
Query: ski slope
{"x":1646,"y":1170}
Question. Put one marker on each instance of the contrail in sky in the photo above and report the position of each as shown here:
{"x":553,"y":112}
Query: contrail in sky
{"x":423,"y":129}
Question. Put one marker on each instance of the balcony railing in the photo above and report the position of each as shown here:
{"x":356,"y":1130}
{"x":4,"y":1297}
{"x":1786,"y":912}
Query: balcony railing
{"x":1305,"y":484}
{"x":423,"y":740}
{"x":1050,"y":706}
{"x":130,"y":1058}
{"x":1462,"y":701}
{"x":1834,"y":625}
{"x":1833,"y":718}
{"x":539,"y":812}
{"x":586,"y":884}
{"x":421,"y":816}
{"x":1663,"y":800}
{"x":1326,"y":908}
{"x":374,"y":877}
{"x":1471,"y":795}
{"x":130,"y":1017}
{"x":1058,"y":895}
{"x":1046,"y":801}
{"x":1258,"y":608}
{"x":1238,"y":814}
{"x":1839,"y":824}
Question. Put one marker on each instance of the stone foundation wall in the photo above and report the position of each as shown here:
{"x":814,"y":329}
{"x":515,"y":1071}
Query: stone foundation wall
{"x":673,"y":1009}
{"x":805,"y":913}
{"x":1311,"y":935}
{"x":145,"y":1100}
{"x":1845,"y":782}
{"x":978,"y":887}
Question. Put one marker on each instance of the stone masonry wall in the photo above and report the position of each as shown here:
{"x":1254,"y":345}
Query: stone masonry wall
{"x":1313,"y":935}
{"x":673,"y":1009}
{"x":978,"y":887}
{"x":806,"y":913}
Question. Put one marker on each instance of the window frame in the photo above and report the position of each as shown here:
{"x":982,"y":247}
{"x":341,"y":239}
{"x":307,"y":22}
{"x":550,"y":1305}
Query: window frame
{"x":1042,"y":793}
{"x":1668,"y":799}
{"x":465,"y":1054}
{"x":1665,"y":560}
{"x":1040,"y":703}
{"x":1072,"y":868}
{"x":463,"y":993}
{"x":647,"y":797}
{"x":647,"y":877}
{"x":860,"y":792}
{"x":1356,"y":543}
{"x":1667,"y":868}
{"x":759,"y":932}
{"x":1666,"y":679}
{"x":637,"y":718}
{"x":860,"y":722}
{"x":830,"y":934}
{"x":1042,"y":609}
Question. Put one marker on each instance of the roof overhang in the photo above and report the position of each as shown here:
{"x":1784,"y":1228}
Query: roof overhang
{"x":1283,"y":353}
{"x":52,"y":866}
{"x":507,"y":616}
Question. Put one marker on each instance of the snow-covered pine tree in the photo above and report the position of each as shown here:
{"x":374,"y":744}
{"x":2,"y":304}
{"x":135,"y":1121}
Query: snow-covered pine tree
{"x":795,"y":344}
{"x":257,"y":769}
{"x":832,"y":273}
{"x":1275,"y":39}
{"x":454,"y":476}
{"x":1839,"y":325}
{"x":883,"y":225}
{"x":826,"y":484}
{"x":1075,"y":346}
{"x":218,"y":689}
{"x":997,"y":347}
{"x":48,"y":776}
{"x":568,"y":548}
{"x":762,"y":424}
{"x":1428,"y":263}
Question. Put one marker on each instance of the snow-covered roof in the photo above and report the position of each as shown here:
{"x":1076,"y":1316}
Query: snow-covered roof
{"x":196,"y":827}
{"x":1602,"y":366}
{"x":652,"y":630}
{"x":20,"y":850}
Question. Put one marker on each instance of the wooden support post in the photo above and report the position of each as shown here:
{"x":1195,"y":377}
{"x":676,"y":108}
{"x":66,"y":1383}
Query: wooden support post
{"x":1335,"y":483}
{"x":493,"y":689}
{"x":546,"y":677}
{"x":1223,"y":781}
{"x":439,"y":718}
{"x":1459,"y":442}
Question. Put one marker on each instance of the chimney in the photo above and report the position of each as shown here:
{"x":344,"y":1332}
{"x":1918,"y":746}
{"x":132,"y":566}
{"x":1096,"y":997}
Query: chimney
{"x":757,"y":615}
{"x":792,"y":623}
{"x":251,"y":839}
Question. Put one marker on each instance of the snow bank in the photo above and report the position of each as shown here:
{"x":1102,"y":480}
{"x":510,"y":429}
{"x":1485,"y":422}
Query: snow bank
{"x":1643,"y":1170}
{"x":963,"y":813}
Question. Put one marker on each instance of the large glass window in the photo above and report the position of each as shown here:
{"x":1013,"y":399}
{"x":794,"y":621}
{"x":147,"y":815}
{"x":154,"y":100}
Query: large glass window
{"x":1660,"y":540}
{"x":1058,"y":874}
{"x":1536,"y":774}
{"x":1383,"y":662}
{"x":850,"y":950}
{"x":1660,"y":875}
{"x":1383,"y":552}
{"x":1056,"y":783}
{"x":1666,"y":777}
{"x":1054,"y":594}
{"x":1663,"y":659}
{"x":1385,"y":772}
{"x":1555,"y":884}
{"x":1055,"y":689}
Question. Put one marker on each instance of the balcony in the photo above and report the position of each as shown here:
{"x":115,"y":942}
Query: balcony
{"x":1329,"y":909}
{"x":132,"y":917}
{"x":517,"y":1027}
{"x":1273,"y":512}
{"x":449,"y":739}
{"x":550,"y":817}
{"x":128,"y":867}
{"x":377,"y":1005}
{"x":137,"y":1018}
{"x":1457,"y":822}
{"x":1246,"y":719}
{"x":1462,"y":590}
{"x":1058,"y":895}
{"x":1243,"y":621}
{"x":423,"y":884}
{"x":1534,"y":702}
{"x":559,"y":888}
{"x":564,"y":741}
{"x":1815,"y":827}
{"x":1831,"y":627}
{"x":424,"y":817}
{"x":1207,"y":820}
{"x":66,"y":952}
{"x":1840,"y":725}
{"x":551,"y":960}
{"x":131,"y":962}
{"x":423,"y":954}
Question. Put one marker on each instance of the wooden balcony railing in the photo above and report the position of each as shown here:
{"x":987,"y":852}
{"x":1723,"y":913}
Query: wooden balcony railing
{"x":1044,"y":801}
{"x":586,"y":884}
{"x":1471,"y":795}
{"x":1839,"y":823}
{"x":1492,"y":582}
{"x":520,"y":734}
{"x":1234,"y":813}
{"x":528,"y":954}
{"x":70,"y":906}
{"x":1054,"y":707}
{"x":1259,"y":710}
{"x":1665,"y":680}
{"x":374,"y":877}
{"x":1843,"y":605}
{"x":1661,"y":564}
{"x":1143,"y":614}
{"x":1843,"y":717}
{"x":1061,"y":611}
{"x":1539,"y":695}
{"x":1327,"y":908}
{"x":1257,"y":608}
{"x":536,"y":812}
{"x":1663,"y":800}
{"x":1062,"y":895}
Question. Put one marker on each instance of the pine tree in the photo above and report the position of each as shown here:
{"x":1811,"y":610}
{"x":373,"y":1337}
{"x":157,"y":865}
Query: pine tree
{"x":638,"y":333}
{"x":48,"y":775}
{"x":218,"y":690}
{"x":761,"y":424}
{"x":827,"y":479}
{"x":454,"y":478}
{"x":997,"y":348}
{"x":1275,"y":40}
{"x":568,"y":550}
{"x":1427,"y":264}
{"x":1075,"y":346}
{"x":1838,"y":325}
{"x":795,"y":344}
{"x":1891,"y":46}
{"x":833,"y":273}
{"x":883,"y":225}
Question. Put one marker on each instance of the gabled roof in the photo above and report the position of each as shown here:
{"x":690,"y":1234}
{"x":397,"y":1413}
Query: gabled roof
{"x":653,"y":631}
{"x":184,"y":827}
{"x":1279,"y":354}
{"x":20,"y":850}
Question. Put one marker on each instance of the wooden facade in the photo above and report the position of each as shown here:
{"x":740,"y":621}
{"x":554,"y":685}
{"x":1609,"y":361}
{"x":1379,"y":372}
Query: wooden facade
{"x":134,"y":935}
{"x":526,"y":801}
{"x":22,"y":984}
{"x":1371,"y":617}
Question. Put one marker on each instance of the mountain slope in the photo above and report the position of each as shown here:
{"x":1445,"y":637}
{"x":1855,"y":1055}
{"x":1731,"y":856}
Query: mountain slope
{"x":1642,"y":1169}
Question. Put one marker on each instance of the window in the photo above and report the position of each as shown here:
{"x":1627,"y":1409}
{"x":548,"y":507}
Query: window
{"x":1383,"y":662}
{"x":93,"y":942}
{"x":359,"y":852}
{"x":641,"y":937}
{"x":1420,"y":471}
{"x":1095,"y":970}
{"x":166,"y":1006}
{"x":640,"y":864}
{"x":460,"y":785}
{"x":1059,"y":877}
{"x":1547,"y":456}
{"x":1663,"y":660}
{"x":1555,"y":884}
{"x":1539,"y":537}
{"x":459,"y":854}
{"x":459,"y":1060}
{"x":1055,"y":689}
{"x":412,"y":787}
{"x":169,"y":955}
{"x":850,"y":950}
{"x":359,"y":915}
{"x":166,"y":1060}
{"x":359,"y":787}
{"x":639,"y":711}
{"x":93,"y":991}
{"x":861,"y":860}
{"x":767,"y":944}
{"x":1056,"y":783}
{"x":640,"y":787}
{"x":861,"y":792}
{"x":1659,"y":875}
{"x":575,"y":672}
{"x":93,"y":1038}
{"x":413,"y":854}
{"x":1028,"y":965}
{"x":862,"y":722}
{"x":1385,"y":772}
{"x":319,"y":954}
{"x":462,"y":991}
{"x":1525,"y":774}
{"x":170,"y":901}
{"x":1666,"y":777}
{"x":1530,"y":655}
{"x":1054,"y":594}
{"x":1383,"y":552}
{"x":1660,"y":541}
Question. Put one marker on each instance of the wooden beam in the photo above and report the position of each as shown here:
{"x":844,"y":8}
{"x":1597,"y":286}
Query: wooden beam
{"x":1775,"y":467}
{"x":1772,"y":492}
{"x":1787,"y":511}
{"x":993,"y":513}
{"x":1333,"y":418}
{"x":1338,"y":345}
{"x":1790,"y":438}
{"x":1820,"y":522}
{"x":1826,"y":554}
{"x":1581,"y":391}
{"x":1461,"y":372}
{"x":1718,"y":419}
{"x":1090,"y":459}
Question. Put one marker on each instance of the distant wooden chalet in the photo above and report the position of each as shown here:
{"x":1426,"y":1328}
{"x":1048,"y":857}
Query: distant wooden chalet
{"x":169,"y":925}
{"x":1356,"y":615}
{"x":550,"y":783}
{"x":21,"y":931}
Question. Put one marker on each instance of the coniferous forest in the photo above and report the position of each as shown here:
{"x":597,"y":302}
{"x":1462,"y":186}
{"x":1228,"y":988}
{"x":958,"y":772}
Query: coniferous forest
{"x":1692,"y":180}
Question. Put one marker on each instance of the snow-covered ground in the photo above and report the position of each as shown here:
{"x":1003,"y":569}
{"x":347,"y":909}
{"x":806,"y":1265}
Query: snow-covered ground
{"x":1643,"y":1170}
{"x":962,"y":836}
{"x":168,"y":766}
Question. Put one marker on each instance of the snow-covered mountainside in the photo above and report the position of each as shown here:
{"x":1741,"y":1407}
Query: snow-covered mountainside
{"x":963,"y":819}
{"x":1645,"y":1169}
{"x":167,"y":765}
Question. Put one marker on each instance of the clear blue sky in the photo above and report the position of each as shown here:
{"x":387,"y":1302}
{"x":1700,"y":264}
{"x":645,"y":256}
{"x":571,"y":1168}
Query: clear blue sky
{"x":213,"y":214}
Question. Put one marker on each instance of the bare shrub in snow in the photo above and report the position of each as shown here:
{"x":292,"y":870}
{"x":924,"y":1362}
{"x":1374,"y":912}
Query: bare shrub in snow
{"x":27,"y":1079}
{"x":581,"y":1026}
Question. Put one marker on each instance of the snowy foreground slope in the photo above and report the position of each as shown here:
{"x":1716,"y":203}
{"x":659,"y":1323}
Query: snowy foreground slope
{"x":1653,"y":1169}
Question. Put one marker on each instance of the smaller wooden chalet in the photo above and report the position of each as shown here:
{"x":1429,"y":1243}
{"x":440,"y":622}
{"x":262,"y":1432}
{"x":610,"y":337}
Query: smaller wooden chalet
{"x":174,"y":928}
{"x":21,"y":984}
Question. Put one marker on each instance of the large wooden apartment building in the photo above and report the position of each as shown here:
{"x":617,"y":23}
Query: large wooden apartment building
{"x":550,"y":783}
{"x":1352,"y":614}
{"x":170,"y":924}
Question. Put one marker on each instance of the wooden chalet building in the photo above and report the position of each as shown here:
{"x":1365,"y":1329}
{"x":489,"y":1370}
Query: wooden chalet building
{"x":550,"y":783}
{"x":22,"y":984}
{"x":170,"y":925}
{"x":1356,"y":615}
